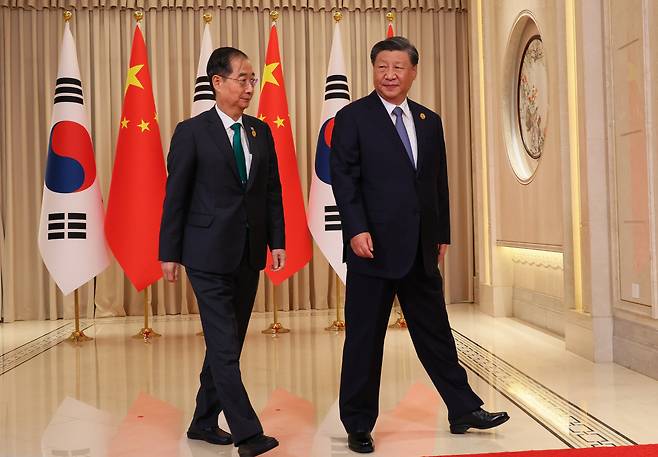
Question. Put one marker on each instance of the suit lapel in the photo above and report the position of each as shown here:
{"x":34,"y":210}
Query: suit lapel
{"x":421,"y":126}
{"x":381,"y":117}
{"x":250,"y":131}
{"x":218,"y":133}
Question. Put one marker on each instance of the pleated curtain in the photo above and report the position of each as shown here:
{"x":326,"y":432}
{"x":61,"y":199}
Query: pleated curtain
{"x":31,"y":33}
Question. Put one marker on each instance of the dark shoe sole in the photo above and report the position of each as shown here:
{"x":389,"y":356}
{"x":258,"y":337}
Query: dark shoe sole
{"x":253,"y":453}
{"x":362,"y":450}
{"x":212,"y":440}
{"x":459,"y":429}
{"x":462,"y":428}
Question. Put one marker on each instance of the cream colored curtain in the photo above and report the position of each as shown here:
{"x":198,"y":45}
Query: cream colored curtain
{"x":31,"y":33}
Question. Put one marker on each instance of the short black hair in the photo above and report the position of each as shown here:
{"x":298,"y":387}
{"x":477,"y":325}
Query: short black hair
{"x":219,"y":62}
{"x":395,"y":43}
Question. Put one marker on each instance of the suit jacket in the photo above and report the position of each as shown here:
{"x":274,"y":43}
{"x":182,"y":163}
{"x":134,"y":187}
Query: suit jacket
{"x":377,"y":189}
{"x":208,"y":213}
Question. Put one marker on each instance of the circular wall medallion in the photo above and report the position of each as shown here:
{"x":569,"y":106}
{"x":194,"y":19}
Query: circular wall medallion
{"x":532,"y":102}
{"x":525,"y":98}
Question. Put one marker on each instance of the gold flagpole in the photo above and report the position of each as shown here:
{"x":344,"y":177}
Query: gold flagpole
{"x":78,"y":336}
{"x":275,"y":327}
{"x":401,"y":321}
{"x":207,"y":18}
{"x":146,"y":333}
{"x":338,"y":325}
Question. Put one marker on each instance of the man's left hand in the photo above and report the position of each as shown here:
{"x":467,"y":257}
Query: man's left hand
{"x":278,"y":259}
{"x":442,"y":252}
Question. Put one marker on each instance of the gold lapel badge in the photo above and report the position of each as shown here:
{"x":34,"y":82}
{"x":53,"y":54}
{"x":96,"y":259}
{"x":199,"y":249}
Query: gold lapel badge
{"x":422,"y":116}
{"x":253,"y":132}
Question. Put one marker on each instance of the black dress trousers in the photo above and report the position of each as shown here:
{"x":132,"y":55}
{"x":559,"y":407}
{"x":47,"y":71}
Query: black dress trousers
{"x":225,"y":305}
{"x":367,"y":310}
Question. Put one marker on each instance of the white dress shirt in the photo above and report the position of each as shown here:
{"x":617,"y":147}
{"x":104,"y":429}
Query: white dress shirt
{"x":228,"y":122}
{"x":408,"y":120}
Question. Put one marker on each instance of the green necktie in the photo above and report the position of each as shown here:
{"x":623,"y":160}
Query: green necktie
{"x":239,"y":153}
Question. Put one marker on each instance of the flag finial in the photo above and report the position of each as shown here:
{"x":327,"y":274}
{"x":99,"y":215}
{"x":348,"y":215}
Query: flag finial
{"x":207,"y":17}
{"x":67,"y":15}
{"x":338,"y":16}
{"x":139,"y":15}
{"x":390,"y":16}
{"x":274,"y":15}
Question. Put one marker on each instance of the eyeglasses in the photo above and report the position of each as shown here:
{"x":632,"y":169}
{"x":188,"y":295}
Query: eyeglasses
{"x":243,"y":81}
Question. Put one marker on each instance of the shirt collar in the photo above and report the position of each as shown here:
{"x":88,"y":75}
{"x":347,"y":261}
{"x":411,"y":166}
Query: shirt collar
{"x":390,"y":106}
{"x":226,"y":119}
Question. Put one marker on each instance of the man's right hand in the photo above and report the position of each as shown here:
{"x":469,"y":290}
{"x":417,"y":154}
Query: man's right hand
{"x":170,"y":270}
{"x":362,"y":245}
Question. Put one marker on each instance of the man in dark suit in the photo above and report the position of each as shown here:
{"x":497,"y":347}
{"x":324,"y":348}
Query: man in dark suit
{"x":221,"y":212}
{"x":389,"y":177}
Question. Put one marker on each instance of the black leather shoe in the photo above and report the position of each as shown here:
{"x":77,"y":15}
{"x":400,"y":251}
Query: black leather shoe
{"x":479,"y":419}
{"x":257,"y":445}
{"x":360,"y":442}
{"x":213,"y":435}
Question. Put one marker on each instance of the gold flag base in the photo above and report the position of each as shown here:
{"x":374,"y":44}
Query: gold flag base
{"x":337,"y":326}
{"x":146,"y":333}
{"x":275,"y":328}
{"x":78,"y":336}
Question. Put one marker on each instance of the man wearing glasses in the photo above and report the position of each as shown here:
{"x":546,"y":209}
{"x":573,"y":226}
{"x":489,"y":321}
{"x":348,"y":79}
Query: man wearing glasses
{"x":222,"y":211}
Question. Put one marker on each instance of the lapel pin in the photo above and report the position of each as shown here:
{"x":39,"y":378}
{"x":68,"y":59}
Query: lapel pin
{"x":253,"y":132}
{"x":422,"y":115}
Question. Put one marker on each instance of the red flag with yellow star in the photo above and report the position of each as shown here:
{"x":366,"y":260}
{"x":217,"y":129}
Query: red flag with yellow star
{"x":134,"y":207}
{"x":273,"y":109}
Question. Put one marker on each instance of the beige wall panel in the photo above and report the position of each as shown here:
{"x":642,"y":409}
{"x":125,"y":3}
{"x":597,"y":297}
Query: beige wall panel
{"x":652,"y":136}
{"x":538,"y":288}
{"x":626,"y":21}
{"x":631,"y":155}
{"x":634,"y":66}
{"x":529,"y":215}
{"x":628,"y":69}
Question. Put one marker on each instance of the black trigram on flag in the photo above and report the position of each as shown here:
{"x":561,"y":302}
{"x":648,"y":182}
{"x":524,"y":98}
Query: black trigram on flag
{"x":68,"y":90}
{"x":203,"y":90}
{"x":336,"y":87}
{"x":67,"y":225}
{"x":331,"y":218}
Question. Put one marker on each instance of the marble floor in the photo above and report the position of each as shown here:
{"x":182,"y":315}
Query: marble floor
{"x":116,"y":396}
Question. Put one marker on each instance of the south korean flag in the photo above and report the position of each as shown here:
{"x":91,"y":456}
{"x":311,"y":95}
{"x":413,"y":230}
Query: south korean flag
{"x":71,"y":236}
{"x":323,"y":217}
{"x":204,"y":96}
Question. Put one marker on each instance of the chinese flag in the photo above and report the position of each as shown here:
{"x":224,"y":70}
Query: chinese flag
{"x":273,"y":109}
{"x":134,"y":207}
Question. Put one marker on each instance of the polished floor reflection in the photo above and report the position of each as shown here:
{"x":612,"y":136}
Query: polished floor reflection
{"x":119,"y":397}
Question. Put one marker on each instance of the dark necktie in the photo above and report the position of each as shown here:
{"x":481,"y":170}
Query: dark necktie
{"x":238,"y":152}
{"x":404,"y":136}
